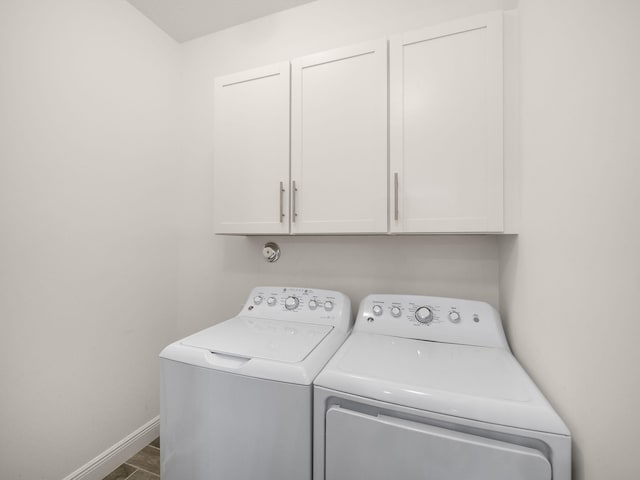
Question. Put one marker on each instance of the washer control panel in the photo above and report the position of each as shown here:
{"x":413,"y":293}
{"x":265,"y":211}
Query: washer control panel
{"x":437,"y":319}
{"x":307,"y":305}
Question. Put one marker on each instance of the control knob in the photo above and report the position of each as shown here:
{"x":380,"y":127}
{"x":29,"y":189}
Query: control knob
{"x":291,"y":303}
{"x":271,"y":301}
{"x":424,"y":315}
{"x":328,"y":305}
{"x":257,"y":299}
{"x":313,"y":304}
{"x":395,"y":311}
{"x":454,"y":316}
{"x":377,"y":310}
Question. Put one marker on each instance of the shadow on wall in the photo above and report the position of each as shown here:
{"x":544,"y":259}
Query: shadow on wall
{"x":508,"y":251}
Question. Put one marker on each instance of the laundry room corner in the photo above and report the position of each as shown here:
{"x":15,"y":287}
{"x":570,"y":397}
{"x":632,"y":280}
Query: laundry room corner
{"x":230,"y":266}
{"x":522,"y":272}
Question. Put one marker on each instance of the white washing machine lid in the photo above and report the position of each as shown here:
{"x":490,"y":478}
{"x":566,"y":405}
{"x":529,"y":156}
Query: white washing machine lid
{"x":479,"y":383}
{"x":257,"y":338}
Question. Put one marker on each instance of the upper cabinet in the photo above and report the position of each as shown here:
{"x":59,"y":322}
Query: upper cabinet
{"x":405,"y":136}
{"x":339,"y":141}
{"x":251,"y":151}
{"x":446,"y":128}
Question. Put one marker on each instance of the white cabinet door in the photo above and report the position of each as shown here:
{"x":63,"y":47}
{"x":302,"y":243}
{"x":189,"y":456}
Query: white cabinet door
{"x":251,"y":151}
{"x":446,"y":132}
{"x":339,"y":141}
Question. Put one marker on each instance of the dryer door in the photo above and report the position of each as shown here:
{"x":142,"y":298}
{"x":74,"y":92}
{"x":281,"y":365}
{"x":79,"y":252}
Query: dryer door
{"x":383,"y":448}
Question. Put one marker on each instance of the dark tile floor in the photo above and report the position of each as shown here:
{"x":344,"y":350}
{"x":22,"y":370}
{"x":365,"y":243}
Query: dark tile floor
{"x":144,"y":465}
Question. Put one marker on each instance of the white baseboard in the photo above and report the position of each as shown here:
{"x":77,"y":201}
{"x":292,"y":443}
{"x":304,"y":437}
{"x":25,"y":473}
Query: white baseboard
{"x":113,"y":457}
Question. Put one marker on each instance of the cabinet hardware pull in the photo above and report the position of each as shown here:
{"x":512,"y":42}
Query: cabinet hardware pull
{"x":395,"y":195}
{"x":281,"y":202}
{"x":293,"y":200}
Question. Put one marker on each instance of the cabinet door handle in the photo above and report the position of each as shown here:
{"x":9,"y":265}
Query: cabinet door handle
{"x":293,"y":201}
{"x":281,"y":202}
{"x":395,"y":196}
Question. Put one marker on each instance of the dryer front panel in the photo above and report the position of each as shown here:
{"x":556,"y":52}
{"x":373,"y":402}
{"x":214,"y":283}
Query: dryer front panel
{"x":382,"y":447}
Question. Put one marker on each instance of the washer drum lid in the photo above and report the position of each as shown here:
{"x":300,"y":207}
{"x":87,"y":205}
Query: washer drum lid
{"x":479,"y":383}
{"x":418,"y":364}
{"x":275,"y":340}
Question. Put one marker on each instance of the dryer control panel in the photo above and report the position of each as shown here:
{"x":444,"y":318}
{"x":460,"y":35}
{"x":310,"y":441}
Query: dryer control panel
{"x":438,"y":319}
{"x":307,"y":305}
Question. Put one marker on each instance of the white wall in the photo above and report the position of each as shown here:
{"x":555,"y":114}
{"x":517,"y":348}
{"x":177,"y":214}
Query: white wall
{"x":571,"y":280}
{"x":216,"y":273}
{"x":88,"y":244}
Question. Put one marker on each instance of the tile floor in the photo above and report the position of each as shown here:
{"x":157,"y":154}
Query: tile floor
{"x":144,"y":465}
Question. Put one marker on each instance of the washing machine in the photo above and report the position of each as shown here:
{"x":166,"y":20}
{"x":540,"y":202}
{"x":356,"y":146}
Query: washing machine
{"x":427,"y":388}
{"x":236,"y":398}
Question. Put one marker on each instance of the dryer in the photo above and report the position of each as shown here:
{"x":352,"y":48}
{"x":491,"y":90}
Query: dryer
{"x":236,"y":398}
{"x":426,"y":387}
